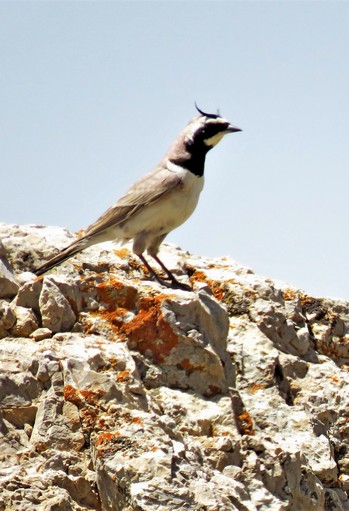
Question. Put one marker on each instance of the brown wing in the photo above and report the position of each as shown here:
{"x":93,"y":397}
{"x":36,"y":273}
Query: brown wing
{"x":147,"y":190}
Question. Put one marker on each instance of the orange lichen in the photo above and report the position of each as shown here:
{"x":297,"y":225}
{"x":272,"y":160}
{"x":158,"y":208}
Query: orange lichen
{"x":122,"y":252}
{"x":148,"y":328}
{"x":72,"y":395}
{"x":289,"y":294}
{"x":199,"y":276}
{"x":137,"y":420}
{"x":109,"y":443}
{"x":91,"y":396}
{"x":150,"y":331}
{"x":123,"y":376}
{"x":189,"y":367}
{"x":134,"y":264}
{"x":114,"y":319}
{"x":101,"y":424}
{"x":81,"y":397}
{"x":217,"y":288}
{"x":257,"y":386}
{"x":107,"y":437}
{"x":245,"y":423}
{"x":117,"y":301}
{"x":117,"y":295}
{"x":126,"y":417}
{"x":186,"y":364}
{"x":88,"y":417}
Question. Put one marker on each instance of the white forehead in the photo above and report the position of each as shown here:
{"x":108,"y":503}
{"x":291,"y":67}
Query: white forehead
{"x":199,"y":122}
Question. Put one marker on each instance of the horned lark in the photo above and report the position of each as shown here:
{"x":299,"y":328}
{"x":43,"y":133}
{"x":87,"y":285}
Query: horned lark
{"x":158,"y":202}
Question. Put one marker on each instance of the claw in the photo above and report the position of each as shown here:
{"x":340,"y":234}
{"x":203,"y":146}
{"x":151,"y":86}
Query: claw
{"x":174,"y":283}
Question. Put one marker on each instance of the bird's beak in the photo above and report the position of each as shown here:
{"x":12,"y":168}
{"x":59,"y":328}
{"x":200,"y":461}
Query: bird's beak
{"x":232,"y":129}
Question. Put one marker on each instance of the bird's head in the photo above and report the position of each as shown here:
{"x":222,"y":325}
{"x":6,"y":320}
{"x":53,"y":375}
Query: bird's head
{"x":199,"y":136}
{"x":205,"y":130}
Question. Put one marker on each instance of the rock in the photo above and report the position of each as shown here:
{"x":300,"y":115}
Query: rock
{"x":41,"y":333}
{"x":20,"y":240}
{"x":26,"y":322}
{"x":29,"y":293}
{"x":7,"y":318}
{"x":56,"y":312}
{"x":8,"y":281}
{"x":118,"y":394}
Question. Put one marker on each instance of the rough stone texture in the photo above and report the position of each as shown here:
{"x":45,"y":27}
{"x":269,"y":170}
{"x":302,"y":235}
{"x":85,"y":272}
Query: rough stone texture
{"x":8,"y":281}
{"x":118,"y":394}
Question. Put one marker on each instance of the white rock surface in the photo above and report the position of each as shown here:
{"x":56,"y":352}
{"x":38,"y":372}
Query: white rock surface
{"x":118,"y":394}
{"x":8,"y":281}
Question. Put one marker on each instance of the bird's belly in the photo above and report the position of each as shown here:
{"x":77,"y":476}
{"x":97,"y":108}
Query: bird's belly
{"x":167,"y":213}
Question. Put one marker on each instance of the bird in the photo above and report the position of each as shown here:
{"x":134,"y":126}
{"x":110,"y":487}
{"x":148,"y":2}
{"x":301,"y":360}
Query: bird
{"x":158,"y":202}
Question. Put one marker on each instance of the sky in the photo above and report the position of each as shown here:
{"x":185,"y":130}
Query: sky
{"x":93,"y":93}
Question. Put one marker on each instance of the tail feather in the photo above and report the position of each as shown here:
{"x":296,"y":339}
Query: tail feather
{"x":76,"y":247}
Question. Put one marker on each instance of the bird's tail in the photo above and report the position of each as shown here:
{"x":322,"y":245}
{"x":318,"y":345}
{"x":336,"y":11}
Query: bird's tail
{"x":72,"y":249}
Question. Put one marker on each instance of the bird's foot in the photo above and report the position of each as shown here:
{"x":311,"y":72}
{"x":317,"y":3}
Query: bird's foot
{"x":172,"y":283}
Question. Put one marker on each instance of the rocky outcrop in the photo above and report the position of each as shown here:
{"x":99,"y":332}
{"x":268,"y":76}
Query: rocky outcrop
{"x":119,"y":394}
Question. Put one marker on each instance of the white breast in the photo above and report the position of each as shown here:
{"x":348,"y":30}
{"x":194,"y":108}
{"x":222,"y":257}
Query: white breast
{"x":169,"y":211}
{"x":183,"y":200}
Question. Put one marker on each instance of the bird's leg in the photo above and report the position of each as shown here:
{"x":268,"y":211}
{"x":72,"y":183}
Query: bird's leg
{"x":153,"y":272}
{"x":174,"y":281}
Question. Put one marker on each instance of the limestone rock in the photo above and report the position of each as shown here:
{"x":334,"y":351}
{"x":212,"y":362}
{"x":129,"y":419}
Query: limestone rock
{"x":56,"y":312}
{"x":26,"y":322}
{"x":7,"y":318}
{"x":29,"y":292}
{"x":8,"y":281}
{"x":117,"y":394}
{"x":41,"y":333}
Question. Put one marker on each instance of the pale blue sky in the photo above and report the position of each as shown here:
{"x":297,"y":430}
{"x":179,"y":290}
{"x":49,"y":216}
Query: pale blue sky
{"x":92,"y":94}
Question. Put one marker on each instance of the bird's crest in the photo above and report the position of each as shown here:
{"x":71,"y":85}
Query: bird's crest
{"x":210,"y":116}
